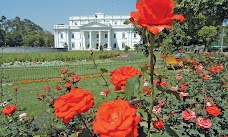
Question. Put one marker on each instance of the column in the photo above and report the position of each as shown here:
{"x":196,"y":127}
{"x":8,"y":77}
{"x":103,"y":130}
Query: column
{"x":82,"y":43}
{"x":99,"y":41}
{"x":90,"y":39}
{"x":109,"y":41}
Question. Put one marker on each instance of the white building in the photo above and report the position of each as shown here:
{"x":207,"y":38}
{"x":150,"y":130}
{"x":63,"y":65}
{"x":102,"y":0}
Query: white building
{"x":91,"y":32}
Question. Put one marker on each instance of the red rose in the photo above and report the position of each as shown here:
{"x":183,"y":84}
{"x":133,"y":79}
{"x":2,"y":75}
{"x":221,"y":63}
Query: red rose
{"x":146,"y":90}
{"x":159,"y":124}
{"x":76,"y":79}
{"x":213,"y":110}
{"x":15,"y":89}
{"x":42,"y":95}
{"x":64,"y":71}
{"x":214,"y":70}
{"x":116,"y":119}
{"x":107,"y":92}
{"x":9,"y":110}
{"x":203,"y":123}
{"x":188,"y":115}
{"x":47,"y":88}
{"x":58,"y":87}
{"x":68,"y":84}
{"x":163,"y":56}
{"x":120,"y":76}
{"x":75,"y":102}
{"x":164,"y":83}
{"x":155,"y":15}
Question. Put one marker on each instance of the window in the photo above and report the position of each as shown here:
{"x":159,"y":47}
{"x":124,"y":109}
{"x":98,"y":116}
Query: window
{"x":114,"y":46}
{"x":123,"y":45}
{"x":72,"y":36}
{"x":115,"y":23}
{"x":97,"y":35}
{"x":134,"y":35}
{"x":106,"y":35}
{"x":114,"y":35}
{"x":80,"y":44}
{"x":88,"y":35}
{"x":61,"y":36}
{"x":73,"y":45}
{"x":79,"y":35}
{"x":123,"y":36}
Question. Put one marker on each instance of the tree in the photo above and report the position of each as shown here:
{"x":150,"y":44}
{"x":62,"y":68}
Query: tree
{"x":207,"y":35}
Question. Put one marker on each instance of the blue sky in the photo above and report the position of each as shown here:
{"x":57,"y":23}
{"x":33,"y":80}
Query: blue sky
{"x":47,"y":13}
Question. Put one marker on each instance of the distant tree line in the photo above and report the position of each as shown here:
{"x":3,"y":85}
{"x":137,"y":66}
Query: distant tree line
{"x":17,"y":32}
{"x":202,"y":27}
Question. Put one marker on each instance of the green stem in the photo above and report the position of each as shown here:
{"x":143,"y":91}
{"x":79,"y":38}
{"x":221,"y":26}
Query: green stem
{"x":84,"y":123}
{"x":150,"y":40}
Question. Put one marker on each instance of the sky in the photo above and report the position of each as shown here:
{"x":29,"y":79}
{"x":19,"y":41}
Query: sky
{"x":47,"y":13}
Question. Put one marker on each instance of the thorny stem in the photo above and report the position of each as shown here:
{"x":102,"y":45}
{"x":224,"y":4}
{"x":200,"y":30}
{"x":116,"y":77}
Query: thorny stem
{"x":150,"y":40}
{"x":84,"y":123}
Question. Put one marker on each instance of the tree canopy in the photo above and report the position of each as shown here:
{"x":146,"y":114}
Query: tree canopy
{"x":17,"y":32}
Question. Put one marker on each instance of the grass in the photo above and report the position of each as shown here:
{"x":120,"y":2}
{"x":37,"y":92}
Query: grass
{"x":62,"y":56}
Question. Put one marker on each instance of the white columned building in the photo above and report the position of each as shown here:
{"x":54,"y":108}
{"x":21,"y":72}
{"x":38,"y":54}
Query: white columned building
{"x":91,"y":32}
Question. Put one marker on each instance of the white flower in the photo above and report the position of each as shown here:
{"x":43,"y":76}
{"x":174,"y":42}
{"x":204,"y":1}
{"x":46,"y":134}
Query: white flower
{"x":22,"y":115}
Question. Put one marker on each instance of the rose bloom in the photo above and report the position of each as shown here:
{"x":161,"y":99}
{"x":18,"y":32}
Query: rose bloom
{"x":214,"y":70}
{"x":159,"y":124}
{"x":58,"y":87}
{"x":155,"y":81}
{"x":199,"y":68}
{"x":203,"y":123}
{"x":22,"y":115}
{"x":9,"y":110}
{"x":174,"y":89}
{"x":222,"y":83}
{"x":68,"y":84}
{"x":42,"y":95}
{"x":181,"y":64}
{"x":161,"y":103}
{"x":76,"y":79}
{"x":163,"y":56}
{"x":156,"y":109}
{"x":193,"y":63}
{"x":188,"y":115}
{"x":72,"y":73}
{"x":179,"y":77}
{"x":116,"y":119}
{"x":184,"y":86}
{"x":204,"y":77}
{"x":15,"y":89}
{"x":183,"y":95}
{"x":185,"y":60}
{"x":120,"y":76}
{"x":164,"y":83}
{"x":155,"y":15}
{"x":47,"y":88}
{"x":64,"y":71}
{"x":213,"y":110}
{"x":146,"y":90}
{"x":220,"y":66}
{"x":75,"y":102}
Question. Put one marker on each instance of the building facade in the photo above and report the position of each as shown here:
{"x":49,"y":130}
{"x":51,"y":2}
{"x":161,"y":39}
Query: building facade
{"x":92,"y":32}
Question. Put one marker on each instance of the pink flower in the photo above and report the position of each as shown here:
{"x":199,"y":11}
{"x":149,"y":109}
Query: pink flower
{"x":183,"y":94}
{"x":145,"y":83}
{"x":188,"y":115}
{"x":220,"y":66}
{"x":156,"y":109}
{"x":199,"y":68}
{"x":174,"y":89}
{"x":181,"y":64}
{"x":203,"y":123}
{"x":47,"y":88}
{"x":179,"y":77}
{"x":208,"y":104}
{"x":161,"y":103}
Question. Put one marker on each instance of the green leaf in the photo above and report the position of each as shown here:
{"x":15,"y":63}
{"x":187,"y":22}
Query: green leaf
{"x":132,"y":87}
{"x":143,"y":113}
{"x":170,"y":131}
{"x":103,"y":70}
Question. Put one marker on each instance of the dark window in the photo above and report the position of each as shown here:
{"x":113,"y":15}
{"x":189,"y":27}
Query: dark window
{"x":73,"y":45}
{"x":114,"y":35}
{"x":114,"y":46}
{"x":61,"y":36}
{"x":88,"y":35}
{"x":106,"y":35}
{"x":97,"y":35}
{"x":134,"y":35}
{"x":123,"y":36}
{"x":123,"y":45}
{"x":72,"y":36}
